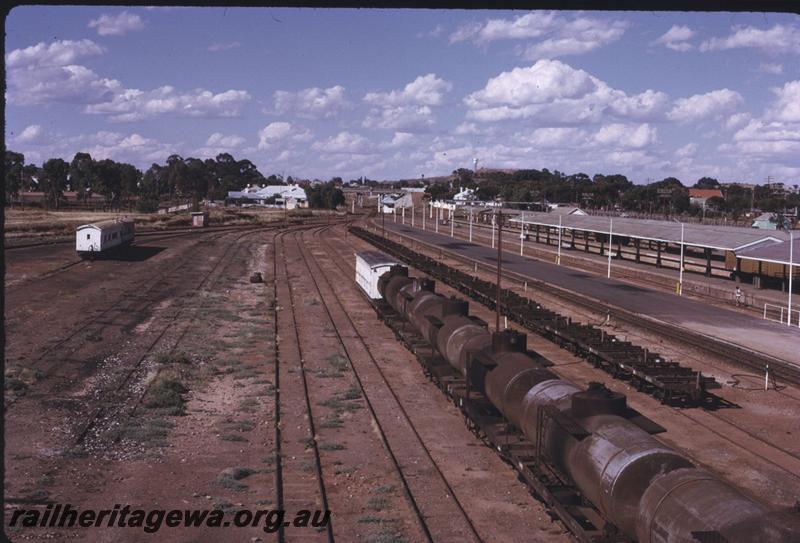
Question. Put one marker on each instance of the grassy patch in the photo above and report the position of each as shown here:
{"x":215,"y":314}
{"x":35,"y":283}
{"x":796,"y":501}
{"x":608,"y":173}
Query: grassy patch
{"x":331,"y":421}
{"x":151,"y":432}
{"x":173,"y":358}
{"x":232,"y":437}
{"x":378,"y":503}
{"x":372,"y":519}
{"x":240,"y":426}
{"x":342,"y":401}
{"x":386,"y":489}
{"x":230,"y":478}
{"x":245,"y":372}
{"x":224,"y":505}
{"x":387,"y":534}
{"x":338,"y":362}
{"x":19,"y":377}
{"x":248,"y":405}
{"x":352,"y":393}
{"x":166,"y":391}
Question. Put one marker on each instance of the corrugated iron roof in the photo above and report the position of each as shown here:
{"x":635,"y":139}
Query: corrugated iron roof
{"x":724,"y":238}
{"x":777,"y":253}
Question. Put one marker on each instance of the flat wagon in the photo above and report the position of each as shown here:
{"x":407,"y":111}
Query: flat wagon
{"x":98,"y":238}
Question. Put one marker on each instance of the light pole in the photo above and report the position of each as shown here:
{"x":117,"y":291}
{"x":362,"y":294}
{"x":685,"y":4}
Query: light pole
{"x":680,"y":276}
{"x":499,"y":215}
{"x":610,"y":240}
{"x":558,"y":258}
{"x":412,"y":213}
{"x":791,"y":273}
{"x":494,"y":220}
{"x":452,"y":222}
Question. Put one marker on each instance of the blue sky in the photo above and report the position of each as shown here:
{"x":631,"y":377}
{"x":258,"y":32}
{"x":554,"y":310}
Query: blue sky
{"x":400,"y":93}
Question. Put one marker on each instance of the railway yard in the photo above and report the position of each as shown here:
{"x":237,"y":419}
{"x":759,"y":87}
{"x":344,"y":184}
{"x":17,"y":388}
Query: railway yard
{"x":170,"y":377}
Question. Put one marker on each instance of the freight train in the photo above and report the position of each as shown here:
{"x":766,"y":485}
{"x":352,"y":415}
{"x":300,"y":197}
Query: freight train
{"x":645,"y":491}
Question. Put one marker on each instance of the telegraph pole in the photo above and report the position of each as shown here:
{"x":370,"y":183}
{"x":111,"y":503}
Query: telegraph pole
{"x":499,"y":221}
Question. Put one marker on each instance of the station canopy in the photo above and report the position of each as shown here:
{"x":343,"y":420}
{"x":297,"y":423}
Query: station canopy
{"x":723,"y":238}
{"x":777,"y":253}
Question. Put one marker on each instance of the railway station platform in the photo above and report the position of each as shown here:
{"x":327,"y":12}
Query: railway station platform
{"x":752,"y":333}
{"x":716,"y":289}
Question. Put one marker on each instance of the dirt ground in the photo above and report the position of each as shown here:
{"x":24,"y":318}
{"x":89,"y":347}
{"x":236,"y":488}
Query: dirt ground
{"x":152,"y":383}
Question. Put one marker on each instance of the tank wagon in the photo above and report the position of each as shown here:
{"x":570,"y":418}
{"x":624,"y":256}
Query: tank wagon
{"x":584,"y":451}
{"x":98,"y":238}
{"x":647,"y":371}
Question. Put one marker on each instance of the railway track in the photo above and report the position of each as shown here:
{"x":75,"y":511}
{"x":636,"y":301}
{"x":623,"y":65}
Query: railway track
{"x":781,"y":370}
{"x":114,"y":398}
{"x":148,"y":236}
{"x":160,"y":234}
{"x":139,"y":297}
{"x":295,"y":426}
{"x":437,"y":511}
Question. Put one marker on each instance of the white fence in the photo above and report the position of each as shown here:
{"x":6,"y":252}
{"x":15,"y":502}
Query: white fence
{"x":780,"y":313}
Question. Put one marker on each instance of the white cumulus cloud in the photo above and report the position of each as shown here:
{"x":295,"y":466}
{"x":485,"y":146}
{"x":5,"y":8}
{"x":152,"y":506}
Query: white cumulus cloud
{"x":57,"y":53}
{"x":676,"y":38}
{"x":134,"y":104}
{"x":311,"y":103}
{"x":414,"y":118}
{"x":32,"y":134}
{"x":703,"y":106}
{"x":778,"y":39}
{"x":557,"y":35}
{"x":552,"y":91}
{"x":786,"y":107}
{"x":218,"y":139}
{"x":688,"y":150}
{"x":117,"y":25}
{"x":273,"y":133}
{"x":771,"y":68}
{"x":424,"y":90}
{"x":619,"y":135}
{"x":344,"y":143}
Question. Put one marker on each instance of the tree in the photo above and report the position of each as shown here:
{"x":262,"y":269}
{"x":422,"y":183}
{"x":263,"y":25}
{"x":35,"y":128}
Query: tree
{"x":129,"y":180}
{"x":197,"y":180}
{"x":706,"y":183}
{"x":439,"y":191}
{"x":325,"y":196}
{"x":52,"y":181}
{"x":151,"y":188}
{"x":176,"y":176}
{"x":109,"y":182}
{"x":15,"y":171}
{"x":82,"y":175}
